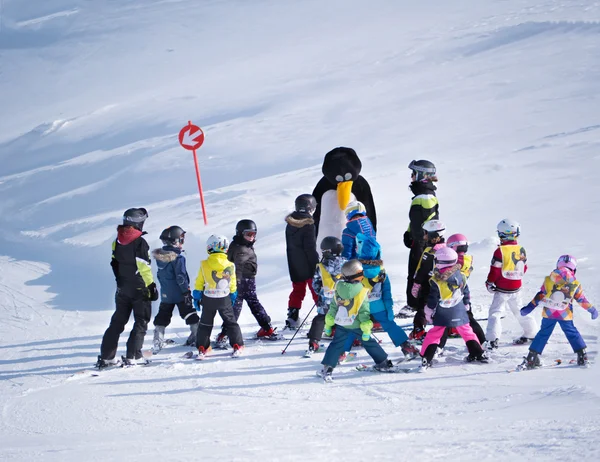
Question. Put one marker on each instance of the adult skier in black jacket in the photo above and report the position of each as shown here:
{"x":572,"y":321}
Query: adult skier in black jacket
{"x":302,"y":256}
{"x":424,"y":207}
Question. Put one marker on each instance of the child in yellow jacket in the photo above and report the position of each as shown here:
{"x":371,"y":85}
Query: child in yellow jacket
{"x":216,"y":291}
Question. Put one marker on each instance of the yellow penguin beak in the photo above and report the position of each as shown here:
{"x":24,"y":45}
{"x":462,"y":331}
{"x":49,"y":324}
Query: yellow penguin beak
{"x":344,"y":189}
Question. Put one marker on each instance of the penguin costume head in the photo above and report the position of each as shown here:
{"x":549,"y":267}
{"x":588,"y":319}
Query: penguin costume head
{"x":341,"y":168}
{"x":341,"y":183}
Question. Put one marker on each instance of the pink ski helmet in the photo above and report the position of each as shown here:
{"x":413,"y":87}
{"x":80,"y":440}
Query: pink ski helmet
{"x":458,"y":242}
{"x":445,"y":257}
{"x":567,"y":261}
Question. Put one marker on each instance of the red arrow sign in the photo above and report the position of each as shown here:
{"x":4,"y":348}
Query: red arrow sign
{"x":191,"y":137}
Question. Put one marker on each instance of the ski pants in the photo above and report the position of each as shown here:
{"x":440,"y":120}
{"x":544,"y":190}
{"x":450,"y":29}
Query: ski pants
{"x":142,"y":312}
{"x":420,"y":320}
{"x":436,"y":332}
{"x":474,"y":325}
{"x":336,"y":347}
{"x":315,"y":334}
{"x":165,"y":313}
{"x":299,"y":292}
{"x":395,"y":332}
{"x":497,"y":309}
{"x":414,"y":256}
{"x":571,"y":332}
{"x":210,"y":308}
{"x":246,"y":290}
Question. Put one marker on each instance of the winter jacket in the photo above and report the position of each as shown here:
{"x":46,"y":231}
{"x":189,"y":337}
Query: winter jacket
{"x":241,"y":252}
{"x":557,"y":294}
{"x":449,"y":297}
{"x":216,"y":276}
{"x":424,"y":207}
{"x":172,"y":274}
{"x":375,"y":278}
{"x":466,"y":264}
{"x":508,"y":266}
{"x":301,"y":240}
{"x":328,"y":272}
{"x":362,"y":225}
{"x":131,"y":261}
{"x":350,"y":307}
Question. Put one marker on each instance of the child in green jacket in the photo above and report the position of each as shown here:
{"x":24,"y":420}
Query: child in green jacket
{"x":349,"y":312}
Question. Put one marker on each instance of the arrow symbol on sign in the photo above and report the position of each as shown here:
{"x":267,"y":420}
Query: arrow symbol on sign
{"x":190,"y":139}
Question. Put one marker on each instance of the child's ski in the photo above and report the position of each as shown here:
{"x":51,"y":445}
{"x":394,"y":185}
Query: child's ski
{"x":390,"y":370}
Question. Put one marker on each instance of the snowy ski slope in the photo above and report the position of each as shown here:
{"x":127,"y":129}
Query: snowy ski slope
{"x":501,"y":95}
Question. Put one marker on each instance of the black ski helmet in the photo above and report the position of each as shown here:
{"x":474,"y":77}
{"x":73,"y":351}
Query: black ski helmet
{"x":423,"y":170}
{"x":245,"y":225}
{"x":332,"y":245}
{"x":172,"y":235}
{"x":306,"y":203}
{"x":135,"y":217}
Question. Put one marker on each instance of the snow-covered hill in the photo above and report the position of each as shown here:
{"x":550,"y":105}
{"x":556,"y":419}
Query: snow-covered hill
{"x":501,"y":95}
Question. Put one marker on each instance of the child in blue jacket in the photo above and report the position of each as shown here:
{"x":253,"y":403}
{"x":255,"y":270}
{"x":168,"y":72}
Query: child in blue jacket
{"x":174,"y":287}
{"x":358,"y":222}
{"x":380,"y":292}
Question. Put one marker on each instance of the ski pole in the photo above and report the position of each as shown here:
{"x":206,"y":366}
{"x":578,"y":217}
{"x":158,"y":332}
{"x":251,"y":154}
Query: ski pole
{"x":296,"y":333}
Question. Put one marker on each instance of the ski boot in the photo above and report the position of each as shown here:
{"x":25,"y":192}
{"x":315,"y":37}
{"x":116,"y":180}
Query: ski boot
{"x":326,"y":373}
{"x":221,"y":343}
{"x":532,"y":360}
{"x":203,"y":352}
{"x":409,"y":351}
{"x":356,"y":343}
{"x":292,"y":321}
{"x":522,"y":341}
{"x":384,"y":366}
{"x":159,"y":339}
{"x":425,"y":364}
{"x":481,"y":357}
{"x":582,"y":359}
{"x":103,"y":363}
{"x":417,"y":334}
{"x":191,"y":340}
{"x":237,"y":351}
{"x":313,"y":347}
{"x":493,"y":344}
{"x":453,"y":333}
{"x":377,"y":327}
{"x":267,"y":331}
{"x":405,"y":312}
{"x":134,"y":362}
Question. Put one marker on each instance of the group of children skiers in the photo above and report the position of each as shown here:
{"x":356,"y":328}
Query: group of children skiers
{"x":349,"y":285}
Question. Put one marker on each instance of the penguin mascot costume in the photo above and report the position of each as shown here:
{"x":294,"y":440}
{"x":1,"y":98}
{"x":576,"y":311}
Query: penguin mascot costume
{"x":341,"y":184}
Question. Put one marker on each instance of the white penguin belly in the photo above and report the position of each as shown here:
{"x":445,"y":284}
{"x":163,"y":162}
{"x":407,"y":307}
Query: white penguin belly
{"x":333,"y":220}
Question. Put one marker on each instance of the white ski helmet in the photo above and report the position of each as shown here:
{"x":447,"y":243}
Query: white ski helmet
{"x":216,"y":244}
{"x":508,"y":229}
{"x":434,"y":228}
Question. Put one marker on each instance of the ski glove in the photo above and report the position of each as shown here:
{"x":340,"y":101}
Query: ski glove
{"x":594,"y":312}
{"x":490,"y":286}
{"x":187,"y":298}
{"x":366,"y":328}
{"x":527,"y":309}
{"x":152,"y":292}
{"x":408,"y":241}
{"x":329,"y":322}
{"x":197,"y":294}
{"x":416,"y":288}
{"x":233,"y":296}
{"x":429,"y":315}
